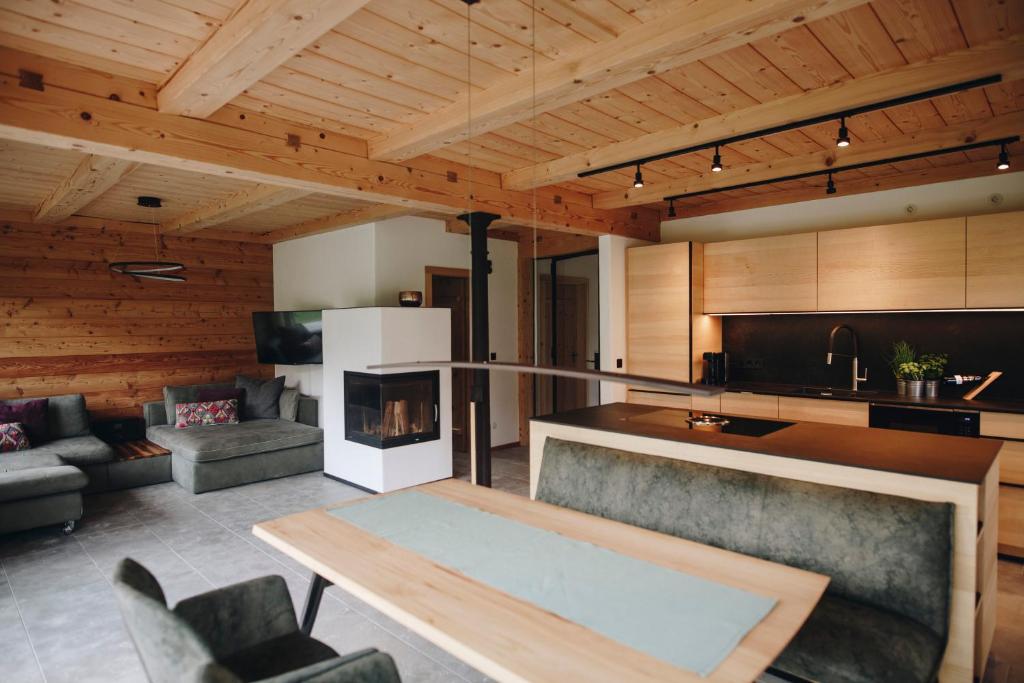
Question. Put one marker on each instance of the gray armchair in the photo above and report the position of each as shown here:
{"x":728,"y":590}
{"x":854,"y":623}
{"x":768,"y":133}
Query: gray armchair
{"x":244,"y":632}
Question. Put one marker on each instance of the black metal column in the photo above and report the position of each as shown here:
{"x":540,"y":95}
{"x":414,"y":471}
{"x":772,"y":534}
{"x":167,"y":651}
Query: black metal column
{"x":478,"y":223}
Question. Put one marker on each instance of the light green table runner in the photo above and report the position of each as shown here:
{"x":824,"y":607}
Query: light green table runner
{"x":684,"y":620}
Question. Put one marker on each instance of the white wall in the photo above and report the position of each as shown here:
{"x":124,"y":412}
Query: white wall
{"x":938,"y":200}
{"x":370,"y":264}
{"x":406,"y":246}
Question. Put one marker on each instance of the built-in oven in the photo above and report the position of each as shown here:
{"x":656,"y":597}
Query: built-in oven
{"x":925,"y":419}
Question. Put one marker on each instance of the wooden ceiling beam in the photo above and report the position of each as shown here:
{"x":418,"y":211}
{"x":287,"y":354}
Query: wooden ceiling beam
{"x":1003,"y":126}
{"x":257,"y":39}
{"x":337,"y":221}
{"x":235,"y":206}
{"x":66,"y":119}
{"x":1005,"y":57}
{"x":90,"y":179}
{"x":696,"y":30}
{"x":925,"y":176}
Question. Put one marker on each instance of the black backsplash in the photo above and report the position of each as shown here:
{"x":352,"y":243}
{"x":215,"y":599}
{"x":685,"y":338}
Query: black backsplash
{"x":791,"y":349}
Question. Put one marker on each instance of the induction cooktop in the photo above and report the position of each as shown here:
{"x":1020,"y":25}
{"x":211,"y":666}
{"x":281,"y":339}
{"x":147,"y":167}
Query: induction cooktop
{"x":730,"y":424}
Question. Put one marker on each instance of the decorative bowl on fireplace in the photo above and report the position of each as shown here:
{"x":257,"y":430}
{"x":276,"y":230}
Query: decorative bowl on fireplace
{"x":385,"y":411}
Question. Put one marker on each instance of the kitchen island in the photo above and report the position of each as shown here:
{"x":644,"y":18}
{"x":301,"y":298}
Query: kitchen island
{"x":957,"y":470}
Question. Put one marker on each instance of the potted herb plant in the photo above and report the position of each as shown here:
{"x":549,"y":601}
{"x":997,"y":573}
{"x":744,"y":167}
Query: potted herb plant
{"x":933,"y":365}
{"x":902,"y":352}
{"x":913,"y":374}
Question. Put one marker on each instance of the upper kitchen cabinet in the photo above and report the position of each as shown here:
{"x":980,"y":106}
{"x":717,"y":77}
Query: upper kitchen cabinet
{"x":658,"y":310}
{"x":886,"y":267}
{"x":766,"y":274}
{"x":995,"y":260}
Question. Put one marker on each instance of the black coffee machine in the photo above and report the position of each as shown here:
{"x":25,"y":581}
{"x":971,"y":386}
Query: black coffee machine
{"x":716,"y":367}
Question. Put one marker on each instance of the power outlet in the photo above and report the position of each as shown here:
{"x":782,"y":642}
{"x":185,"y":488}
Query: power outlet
{"x":753,"y":364}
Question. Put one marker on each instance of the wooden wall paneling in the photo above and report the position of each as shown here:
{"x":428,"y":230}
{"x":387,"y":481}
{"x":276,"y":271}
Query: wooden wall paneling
{"x":995,"y":260}
{"x":68,"y":325}
{"x":906,"y":266}
{"x":764,"y":274}
{"x":658,"y":311}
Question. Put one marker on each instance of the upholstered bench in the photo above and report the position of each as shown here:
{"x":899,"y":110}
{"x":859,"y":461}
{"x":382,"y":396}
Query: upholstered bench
{"x":885,"y":615}
{"x":207,"y":458}
{"x":38,"y":489}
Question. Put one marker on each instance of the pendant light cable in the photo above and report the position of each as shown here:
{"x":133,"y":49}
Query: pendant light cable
{"x":533,"y":105}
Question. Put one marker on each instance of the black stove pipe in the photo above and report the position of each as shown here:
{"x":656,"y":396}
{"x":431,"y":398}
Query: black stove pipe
{"x":478,"y":223}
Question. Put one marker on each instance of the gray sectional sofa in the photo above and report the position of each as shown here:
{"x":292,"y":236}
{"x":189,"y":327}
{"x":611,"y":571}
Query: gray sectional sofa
{"x":44,"y":485}
{"x":885,"y":615}
{"x":213,"y":457}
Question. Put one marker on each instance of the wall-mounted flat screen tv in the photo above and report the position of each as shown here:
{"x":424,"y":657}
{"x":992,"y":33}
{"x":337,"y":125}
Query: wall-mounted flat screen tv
{"x":289,"y":337}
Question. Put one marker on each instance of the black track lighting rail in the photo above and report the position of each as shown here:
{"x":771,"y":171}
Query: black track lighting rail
{"x":803,"y":123}
{"x":1000,"y":142}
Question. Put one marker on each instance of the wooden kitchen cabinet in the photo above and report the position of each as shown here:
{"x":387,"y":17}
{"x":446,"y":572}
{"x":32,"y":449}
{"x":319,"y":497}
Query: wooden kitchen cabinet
{"x":1002,"y":425}
{"x":995,"y":260}
{"x":1011,"y":463}
{"x":658,"y":311}
{"x":851,"y":413}
{"x":892,"y":267}
{"x":766,"y":274}
{"x":1011,"y":520}
{"x":711,"y":404}
{"x":746,"y":403}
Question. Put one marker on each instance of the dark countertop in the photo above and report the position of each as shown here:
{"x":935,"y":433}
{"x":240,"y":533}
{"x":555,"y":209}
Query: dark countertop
{"x":955,"y":458}
{"x":870,"y":396}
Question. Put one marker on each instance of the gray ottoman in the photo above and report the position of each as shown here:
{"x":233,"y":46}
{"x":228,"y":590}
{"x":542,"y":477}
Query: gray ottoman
{"x":37,"y":489}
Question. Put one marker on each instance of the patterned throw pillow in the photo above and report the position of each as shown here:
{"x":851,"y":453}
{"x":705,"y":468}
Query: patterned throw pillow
{"x":206,"y":413}
{"x":13,"y":438}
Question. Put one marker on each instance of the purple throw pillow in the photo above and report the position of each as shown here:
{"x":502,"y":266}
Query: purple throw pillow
{"x":31,"y":415}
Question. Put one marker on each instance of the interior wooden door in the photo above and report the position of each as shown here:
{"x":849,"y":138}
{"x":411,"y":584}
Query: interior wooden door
{"x":570,"y":343}
{"x":450,"y":289}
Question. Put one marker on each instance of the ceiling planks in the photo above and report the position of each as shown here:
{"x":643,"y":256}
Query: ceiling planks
{"x":1006,"y":57}
{"x":90,"y":179}
{"x":71,"y":120}
{"x":929,"y":140}
{"x":337,"y":221}
{"x":259,"y":198}
{"x":694,"y":31}
{"x":257,"y":39}
{"x":393,"y":66}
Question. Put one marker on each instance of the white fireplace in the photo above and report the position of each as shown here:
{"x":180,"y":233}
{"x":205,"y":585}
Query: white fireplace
{"x":386,"y":429}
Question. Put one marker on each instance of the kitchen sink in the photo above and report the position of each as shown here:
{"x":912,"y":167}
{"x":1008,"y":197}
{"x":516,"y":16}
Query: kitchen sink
{"x":828,"y":391}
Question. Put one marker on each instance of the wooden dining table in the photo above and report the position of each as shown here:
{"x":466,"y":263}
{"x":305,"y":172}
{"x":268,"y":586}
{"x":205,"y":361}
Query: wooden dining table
{"x":510,"y":639}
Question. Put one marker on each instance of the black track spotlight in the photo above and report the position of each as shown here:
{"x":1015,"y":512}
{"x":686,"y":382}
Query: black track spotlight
{"x":1004,"y":158}
{"x":830,"y":188}
{"x":638,"y":179}
{"x":716,"y":161}
{"x":843,"y":139}
{"x":671,"y":208}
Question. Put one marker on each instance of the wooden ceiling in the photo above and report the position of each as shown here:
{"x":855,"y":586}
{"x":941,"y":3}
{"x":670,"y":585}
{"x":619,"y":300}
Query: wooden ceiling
{"x":374,"y":110}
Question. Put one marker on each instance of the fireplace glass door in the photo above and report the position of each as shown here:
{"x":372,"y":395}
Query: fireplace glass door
{"x":385,"y":411}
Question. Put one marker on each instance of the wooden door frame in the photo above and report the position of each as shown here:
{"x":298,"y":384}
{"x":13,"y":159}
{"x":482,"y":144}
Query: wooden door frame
{"x":428,"y":287}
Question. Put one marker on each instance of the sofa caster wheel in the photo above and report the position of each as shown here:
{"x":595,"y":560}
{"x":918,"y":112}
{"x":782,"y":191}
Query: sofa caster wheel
{"x":68,"y":527}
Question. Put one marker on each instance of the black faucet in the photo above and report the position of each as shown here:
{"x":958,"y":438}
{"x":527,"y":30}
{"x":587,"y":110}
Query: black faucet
{"x":831,"y":346}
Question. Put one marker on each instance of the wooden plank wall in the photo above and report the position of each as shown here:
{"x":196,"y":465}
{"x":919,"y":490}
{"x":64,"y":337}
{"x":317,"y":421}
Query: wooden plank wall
{"x":69,"y":325}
